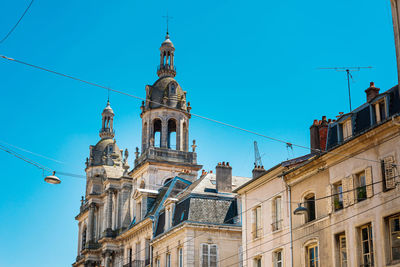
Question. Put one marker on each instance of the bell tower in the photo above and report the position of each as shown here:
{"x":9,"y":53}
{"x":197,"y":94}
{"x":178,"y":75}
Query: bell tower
{"x":165,"y":126}
{"x":166,"y":67}
{"x":107,"y":130}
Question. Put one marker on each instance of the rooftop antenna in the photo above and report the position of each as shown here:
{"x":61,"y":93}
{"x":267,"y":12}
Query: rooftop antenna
{"x":257,"y":157}
{"x":167,"y":19}
{"x":348,"y":71}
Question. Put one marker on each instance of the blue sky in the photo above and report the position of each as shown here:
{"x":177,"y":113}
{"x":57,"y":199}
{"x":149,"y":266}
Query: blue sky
{"x":248,"y":63}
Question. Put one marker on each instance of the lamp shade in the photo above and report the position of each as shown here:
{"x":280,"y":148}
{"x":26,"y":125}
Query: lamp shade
{"x":52,"y":179}
{"x":300,"y":210}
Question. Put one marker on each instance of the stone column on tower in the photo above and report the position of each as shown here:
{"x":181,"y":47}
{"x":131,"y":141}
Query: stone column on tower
{"x":90,"y":228}
{"x":164,"y":134}
{"x":109,"y":210}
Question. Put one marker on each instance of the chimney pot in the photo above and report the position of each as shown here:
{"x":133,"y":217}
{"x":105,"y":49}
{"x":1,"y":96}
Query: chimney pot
{"x":223,"y":175}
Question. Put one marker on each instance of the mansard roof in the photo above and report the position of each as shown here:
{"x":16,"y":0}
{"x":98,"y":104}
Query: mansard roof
{"x":198,"y":199}
{"x":363,"y":118}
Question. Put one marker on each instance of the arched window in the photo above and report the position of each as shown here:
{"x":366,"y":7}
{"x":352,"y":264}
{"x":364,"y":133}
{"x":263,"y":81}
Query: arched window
{"x":157,"y":132}
{"x":309,"y":204}
{"x":172,"y":134}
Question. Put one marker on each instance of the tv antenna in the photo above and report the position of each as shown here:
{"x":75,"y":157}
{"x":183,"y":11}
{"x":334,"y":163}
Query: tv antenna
{"x":257,"y":157}
{"x":348,"y":71}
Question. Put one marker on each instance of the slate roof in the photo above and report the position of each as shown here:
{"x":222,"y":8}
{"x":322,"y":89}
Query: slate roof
{"x":195,"y":204}
{"x":363,"y":118}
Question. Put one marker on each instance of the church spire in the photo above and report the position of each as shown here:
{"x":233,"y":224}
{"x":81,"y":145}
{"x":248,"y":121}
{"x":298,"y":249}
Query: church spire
{"x":166,"y":67}
{"x":107,"y":130}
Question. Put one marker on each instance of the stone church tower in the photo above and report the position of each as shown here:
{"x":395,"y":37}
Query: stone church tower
{"x":165,"y":123}
{"x":117,"y":198}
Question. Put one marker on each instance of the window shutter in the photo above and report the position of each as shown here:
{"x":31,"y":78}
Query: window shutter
{"x":273,"y":212}
{"x":253,"y":222}
{"x":350,"y":188}
{"x":213,"y":255}
{"x":258,"y":223}
{"x":329,"y":199}
{"x":368,"y":181}
{"x":389,"y":172}
{"x":345,"y":193}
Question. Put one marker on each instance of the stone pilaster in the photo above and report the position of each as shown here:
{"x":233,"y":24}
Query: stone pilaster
{"x":109,"y":210}
{"x":90,"y":228}
{"x":164,"y":134}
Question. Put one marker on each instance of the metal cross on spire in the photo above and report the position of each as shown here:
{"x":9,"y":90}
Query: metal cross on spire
{"x":167,"y":19}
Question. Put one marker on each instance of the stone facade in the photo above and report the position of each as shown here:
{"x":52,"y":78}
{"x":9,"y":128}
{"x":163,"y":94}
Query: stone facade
{"x":160,"y":207}
{"x":335,"y":207}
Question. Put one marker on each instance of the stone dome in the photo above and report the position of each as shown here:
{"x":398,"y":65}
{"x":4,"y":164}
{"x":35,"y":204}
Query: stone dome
{"x":166,"y":91}
{"x":108,"y":109}
{"x":105,"y":152}
{"x":167,"y":42}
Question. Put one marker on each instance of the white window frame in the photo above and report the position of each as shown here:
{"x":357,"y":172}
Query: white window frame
{"x":275,"y":259}
{"x":277,"y":213}
{"x":343,"y":262}
{"x":391,"y":233}
{"x":168,"y":260}
{"x":369,"y":241}
{"x":315,"y":247}
{"x":180,"y":257}
{"x":208,"y":254}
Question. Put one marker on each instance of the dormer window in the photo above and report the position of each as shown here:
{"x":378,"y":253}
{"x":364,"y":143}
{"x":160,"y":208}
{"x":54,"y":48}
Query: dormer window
{"x":380,"y":111}
{"x":347,"y":130}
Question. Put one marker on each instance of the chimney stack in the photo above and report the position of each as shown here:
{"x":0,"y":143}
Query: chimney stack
{"x":223,"y":174}
{"x":318,"y":134}
{"x":372,"y":91}
{"x":258,"y":171}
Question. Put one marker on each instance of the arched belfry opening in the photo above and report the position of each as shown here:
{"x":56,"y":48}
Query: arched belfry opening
{"x":172,"y":136}
{"x":157,"y":132}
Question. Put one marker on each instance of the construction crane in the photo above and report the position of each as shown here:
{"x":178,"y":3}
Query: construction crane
{"x":348,"y":71}
{"x":257,"y":157}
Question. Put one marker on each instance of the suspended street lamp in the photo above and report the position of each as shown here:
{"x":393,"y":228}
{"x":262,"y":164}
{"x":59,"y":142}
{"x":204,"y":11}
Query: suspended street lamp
{"x":300,"y":210}
{"x":52,"y":179}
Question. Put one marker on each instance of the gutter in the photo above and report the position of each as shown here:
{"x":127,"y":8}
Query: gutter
{"x":289,"y":191}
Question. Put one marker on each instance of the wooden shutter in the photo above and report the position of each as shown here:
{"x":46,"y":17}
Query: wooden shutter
{"x":329,"y":199}
{"x":350,"y":188}
{"x":253,"y":222}
{"x":389,"y":172}
{"x":258,"y":222}
{"x":345,"y":188}
{"x":368,"y":181}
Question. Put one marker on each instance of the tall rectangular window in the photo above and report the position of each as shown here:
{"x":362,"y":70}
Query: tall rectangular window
{"x":137,"y":251}
{"x":147,"y":251}
{"x":367,"y":248}
{"x":361,"y":186}
{"x":277,"y":214}
{"x":310,"y":206}
{"x":158,"y":264}
{"x":168,"y":260}
{"x":277,"y":258}
{"x":342,"y":250}
{"x":180,"y":257}
{"x":312,"y":256}
{"x":394,"y":224}
{"x":338,"y":196}
{"x":347,"y":129}
{"x":257,"y":226}
{"x":209,"y":255}
{"x":257,"y":262}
